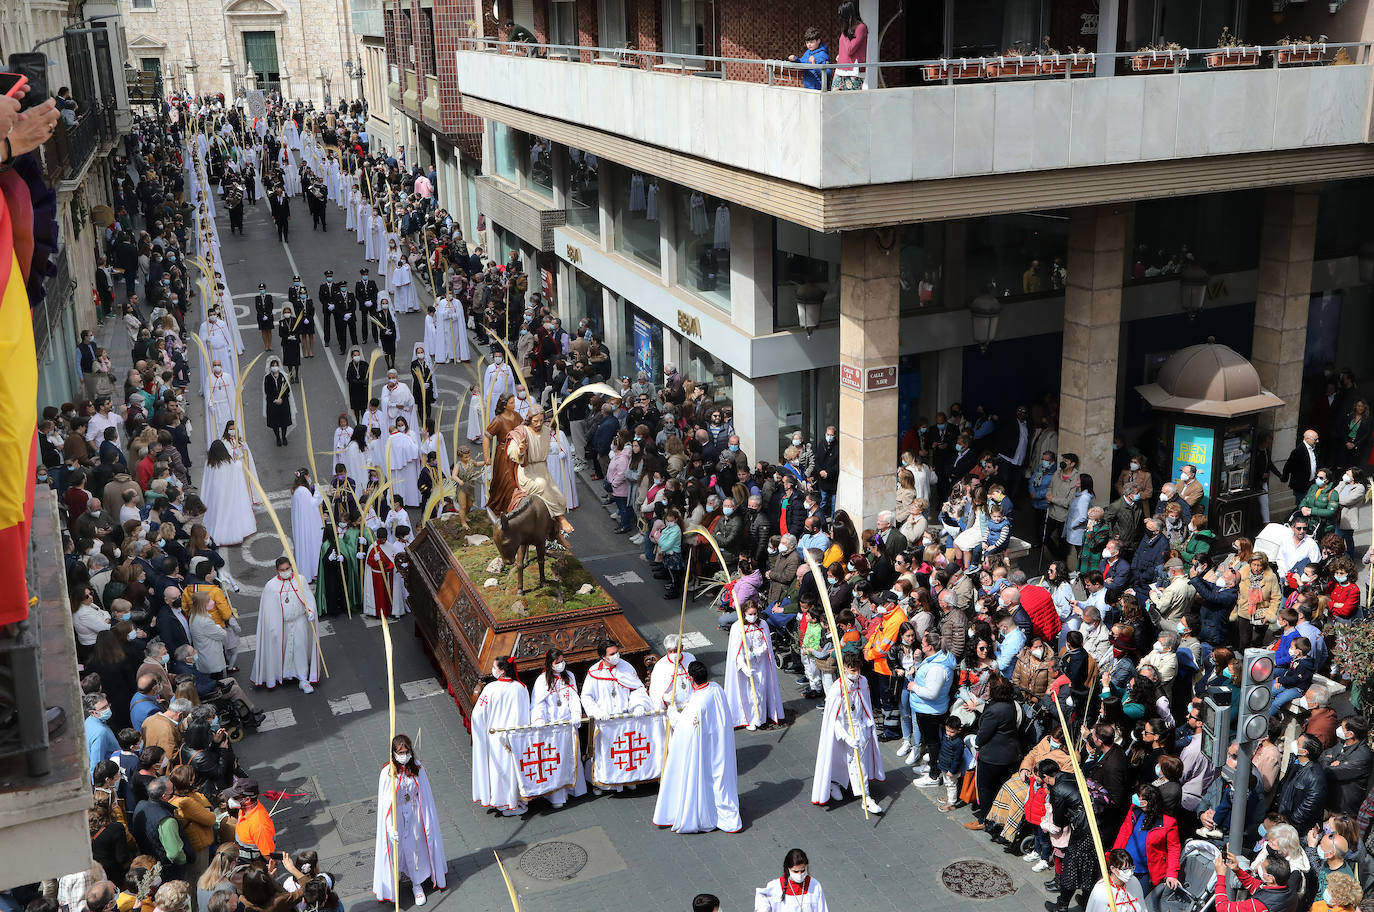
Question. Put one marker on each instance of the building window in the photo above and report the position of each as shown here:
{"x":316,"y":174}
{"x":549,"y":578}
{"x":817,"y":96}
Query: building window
{"x":504,"y":143}
{"x":427,"y":42}
{"x":703,"y":245}
{"x":584,"y":192}
{"x":150,"y":64}
{"x":688,"y":28}
{"x":803,"y":257}
{"x":563,"y":22}
{"x":1221,"y":231}
{"x":541,"y":165}
{"x":610,"y":20}
{"x":636,"y":216}
{"x":140,"y":5}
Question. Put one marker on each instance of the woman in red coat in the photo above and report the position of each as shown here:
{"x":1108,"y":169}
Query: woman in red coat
{"x":1150,"y":837}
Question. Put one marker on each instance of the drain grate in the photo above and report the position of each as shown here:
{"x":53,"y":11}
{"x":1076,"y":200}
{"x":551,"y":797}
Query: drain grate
{"x":977,"y":880}
{"x":352,"y":872}
{"x":553,"y":860}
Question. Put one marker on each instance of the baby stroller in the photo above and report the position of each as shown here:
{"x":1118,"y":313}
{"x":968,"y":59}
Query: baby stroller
{"x":1197,"y":879}
{"x":234,"y":715}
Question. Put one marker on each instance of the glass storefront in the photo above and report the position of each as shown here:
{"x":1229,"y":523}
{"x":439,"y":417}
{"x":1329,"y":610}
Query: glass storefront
{"x":809,"y":400}
{"x":803,"y":257}
{"x":1015,"y":255}
{"x":504,"y":145}
{"x":703,"y":245}
{"x":636,"y":216}
{"x":1220,"y":230}
{"x":1342,"y":213}
{"x":541,"y":165}
{"x":584,"y":192}
{"x":922,"y":266}
{"x":590,"y":301}
{"x":704,"y":368}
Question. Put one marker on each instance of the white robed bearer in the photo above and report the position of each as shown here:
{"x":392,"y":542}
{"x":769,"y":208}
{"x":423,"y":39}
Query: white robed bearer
{"x":398,"y":402}
{"x":561,"y":467}
{"x":498,"y":380}
{"x":841,"y":748}
{"x":554,"y":699}
{"x":504,"y":703}
{"x":458,"y":328}
{"x":307,"y":523}
{"x":669,"y":685}
{"x":699,"y":789}
{"x":402,"y":459}
{"x":438,"y":341}
{"x":224,"y":489}
{"x":612,"y":690}
{"x":287,"y":642}
{"x":221,"y":399}
{"x":409,"y":844}
{"x":751,"y":678}
{"x":402,"y":284}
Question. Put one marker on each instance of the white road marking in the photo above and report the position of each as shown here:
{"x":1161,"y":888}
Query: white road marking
{"x":352,"y":703}
{"x":248,"y":643}
{"x":425,"y":687}
{"x":621,"y":579}
{"x":694,"y":640}
{"x":278,"y":718}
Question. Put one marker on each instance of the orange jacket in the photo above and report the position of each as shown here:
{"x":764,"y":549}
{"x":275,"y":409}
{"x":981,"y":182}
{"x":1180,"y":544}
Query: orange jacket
{"x":883,"y":639}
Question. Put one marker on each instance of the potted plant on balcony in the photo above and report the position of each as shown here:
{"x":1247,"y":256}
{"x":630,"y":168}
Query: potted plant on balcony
{"x":1077,"y":62}
{"x":1012,"y":63}
{"x":1296,"y":51}
{"x":953,"y":69}
{"x":1232,"y":53}
{"x":1154,"y":58}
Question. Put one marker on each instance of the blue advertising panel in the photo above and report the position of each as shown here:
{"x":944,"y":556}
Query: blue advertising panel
{"x":1194,"y":446}
{"x":644,"y":345}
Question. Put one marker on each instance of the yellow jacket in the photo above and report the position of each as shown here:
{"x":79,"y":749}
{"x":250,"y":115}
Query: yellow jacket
{"x":220,"y":609}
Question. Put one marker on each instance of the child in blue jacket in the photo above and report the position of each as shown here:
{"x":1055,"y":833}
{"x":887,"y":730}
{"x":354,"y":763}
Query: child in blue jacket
{"x":816,"y":52}
{"x":952,"y":762}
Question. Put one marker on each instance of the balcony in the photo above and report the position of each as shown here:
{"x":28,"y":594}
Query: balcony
{"x":44,"y":784}
{"x":998,"y":124}
{"x":47,"y":314}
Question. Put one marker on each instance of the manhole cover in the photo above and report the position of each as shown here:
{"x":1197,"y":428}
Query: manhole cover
{"x":977,"y":880}
{"x":352,"y":872}
{"x":553,"y":860}
{"x":358,"y":823}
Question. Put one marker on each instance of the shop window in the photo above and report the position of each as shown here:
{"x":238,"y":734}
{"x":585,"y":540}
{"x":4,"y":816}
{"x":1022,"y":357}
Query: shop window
{"x":541,"y":165}
{"x":922,"y":266}
{"x":584,"y":192}
{"x":808,"y":401}
{"x":636,"y":216}
{"x":705,"y":369}
{"x":1221,"y":231}
{"x":590,"y":302}
{"x":801,"y":258}
{"x":504,"y":144}
{"x":643,"y":343}
{"x":1016,"y":255}
{"x":703,"y":245}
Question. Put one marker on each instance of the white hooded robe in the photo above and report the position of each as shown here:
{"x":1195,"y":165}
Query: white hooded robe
{"x":834,"y":756}
{"x":495,"y":778}
{"x":761,"y":702}
{"x":405,"y":806}
{"x":286,"y":638}
{"x":699,"y":790}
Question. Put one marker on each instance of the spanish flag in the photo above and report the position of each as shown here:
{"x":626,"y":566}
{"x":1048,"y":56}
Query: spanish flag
{"x":18,"y":421}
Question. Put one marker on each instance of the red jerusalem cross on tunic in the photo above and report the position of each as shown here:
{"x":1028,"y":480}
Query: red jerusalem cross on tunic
{"x":629,"y":749}
{"x":540,"y":760}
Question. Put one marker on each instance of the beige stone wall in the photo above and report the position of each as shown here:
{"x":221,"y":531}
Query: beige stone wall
{"x":209,"y":33}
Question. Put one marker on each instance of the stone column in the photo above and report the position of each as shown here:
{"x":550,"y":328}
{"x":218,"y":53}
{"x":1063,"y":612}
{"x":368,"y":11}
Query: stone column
{"x":756,"y":416}
{"x":1281,"y":304}
{"x":1092,"y":339}
{"x":869,"y":338}
{"x":751,"y":272}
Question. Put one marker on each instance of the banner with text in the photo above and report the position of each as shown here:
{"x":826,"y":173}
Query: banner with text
{"x":546,"y":757}
{"x":628,"y":749}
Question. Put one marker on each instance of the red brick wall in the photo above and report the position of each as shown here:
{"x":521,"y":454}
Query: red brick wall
{"x":644,"y":24}
{"x":761,"y":30}
{"x":588,"y":30}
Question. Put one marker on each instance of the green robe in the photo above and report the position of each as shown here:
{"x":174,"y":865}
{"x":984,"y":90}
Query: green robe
{"x":344,"y":594}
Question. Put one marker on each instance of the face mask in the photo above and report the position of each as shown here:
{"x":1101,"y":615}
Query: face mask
{"x":1135,"y":466}
{"x":105,"y":714}
{"x":751,"y":618}
{"x":218,"y":371}
{"x":284,"y":574}
{"x":1183,"y":629}
{"x":1038,"y":653}
{"x":559,"y":667}
{"x":1341,"y":578}
{"x":728,"y":511}
{"x":402,"y":759}
{"x":1342,"y":733}
{"x":796,"y":441}
{"x":164,"y":659}
{"x":799,"y":876}
{"x":1159,"y":648}
{"x":276,"y":369}
{"x":1046,"y":463}
{"x":1135,"y":799}
{"x":734,"y":448}
{"x":1054,"y":745}
{"x":1159,"y":774}
{"x":772,"y":550}
{"x":613,"y":660}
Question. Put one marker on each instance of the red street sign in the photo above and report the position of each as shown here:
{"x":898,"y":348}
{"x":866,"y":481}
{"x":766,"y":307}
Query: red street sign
{"x":871,"y":380}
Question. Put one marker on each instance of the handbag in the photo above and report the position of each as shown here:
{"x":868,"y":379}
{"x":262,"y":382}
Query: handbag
{"x":968,"y":788}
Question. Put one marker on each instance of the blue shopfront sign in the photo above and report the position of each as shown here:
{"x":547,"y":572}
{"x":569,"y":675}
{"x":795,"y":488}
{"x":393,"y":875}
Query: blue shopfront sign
{"x":1194,"y":446}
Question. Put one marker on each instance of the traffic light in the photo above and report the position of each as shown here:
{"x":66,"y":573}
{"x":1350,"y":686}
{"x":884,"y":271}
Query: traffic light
{"x":1256,"y":695}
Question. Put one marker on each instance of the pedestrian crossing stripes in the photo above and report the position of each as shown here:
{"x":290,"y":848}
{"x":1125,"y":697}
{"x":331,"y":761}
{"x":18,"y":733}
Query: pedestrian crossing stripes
{"x":694,"y":640}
